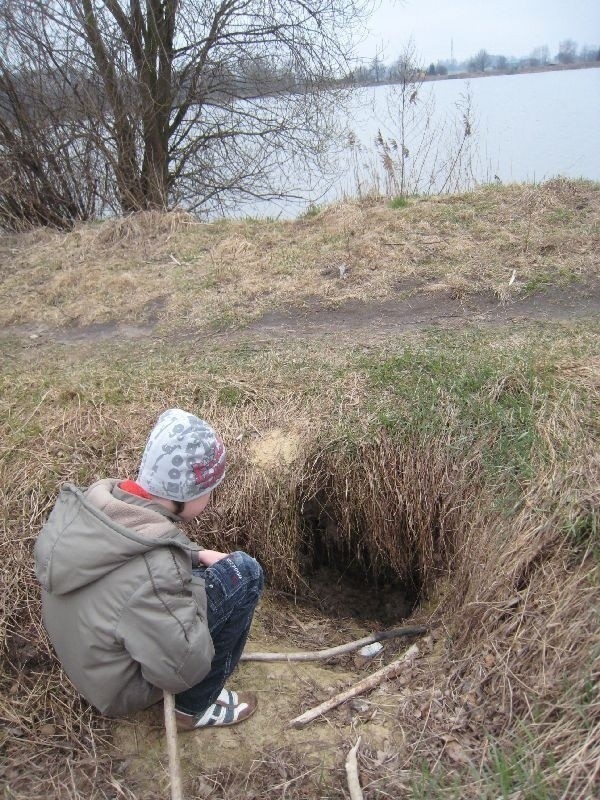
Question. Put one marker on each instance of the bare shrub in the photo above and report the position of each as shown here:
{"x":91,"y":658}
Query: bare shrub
{"x":133,"y":106}
{"x":50,"y":171}
{"x":416,"y":151}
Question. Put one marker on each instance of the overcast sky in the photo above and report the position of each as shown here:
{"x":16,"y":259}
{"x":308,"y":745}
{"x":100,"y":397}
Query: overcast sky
{"x":502,"y":27}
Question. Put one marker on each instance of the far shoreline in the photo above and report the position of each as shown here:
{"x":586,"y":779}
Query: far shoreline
{"x":492,"y":73}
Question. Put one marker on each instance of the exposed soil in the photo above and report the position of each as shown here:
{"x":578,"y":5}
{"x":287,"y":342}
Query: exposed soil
{"x":274,"y":449}
{"x":440,"y":308}
{"x":371,"y":320}
{"x":284,"y":691}
{"x":339,"y":594}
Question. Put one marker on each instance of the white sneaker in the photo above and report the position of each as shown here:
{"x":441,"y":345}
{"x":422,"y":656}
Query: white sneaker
{"x":229,"y":709}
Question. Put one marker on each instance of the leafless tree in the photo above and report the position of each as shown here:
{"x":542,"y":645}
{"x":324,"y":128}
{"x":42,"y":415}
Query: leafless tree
{"x":154,"y":103}
{"x":589,"y":54}
{"x":567,"y":52}
{"x":540,"y":55}
{"x":481,"y":61}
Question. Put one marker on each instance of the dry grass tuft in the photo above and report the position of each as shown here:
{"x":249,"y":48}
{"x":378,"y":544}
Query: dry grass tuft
{"x":133,"y":229}
{"x":181,"y":274}
{"x":279,"y":772}
{"x":585,"y":371}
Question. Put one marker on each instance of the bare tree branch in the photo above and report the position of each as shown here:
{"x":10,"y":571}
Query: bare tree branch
{"x":176,"y":101}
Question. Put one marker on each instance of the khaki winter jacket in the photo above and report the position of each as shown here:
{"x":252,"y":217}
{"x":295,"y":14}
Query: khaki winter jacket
{"x":125,"y":615}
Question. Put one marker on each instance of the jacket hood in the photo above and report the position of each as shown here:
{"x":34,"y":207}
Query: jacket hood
{"x":88,"y":535}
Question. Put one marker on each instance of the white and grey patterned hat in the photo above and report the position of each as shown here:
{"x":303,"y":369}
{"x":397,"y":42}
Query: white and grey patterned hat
{"x":184,"y":457}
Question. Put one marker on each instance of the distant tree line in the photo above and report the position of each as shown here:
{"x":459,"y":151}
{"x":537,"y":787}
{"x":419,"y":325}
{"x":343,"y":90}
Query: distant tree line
{"x":377,"y":71}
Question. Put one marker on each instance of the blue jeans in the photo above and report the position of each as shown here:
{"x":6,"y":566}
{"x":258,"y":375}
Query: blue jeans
{"x":233,"y":586}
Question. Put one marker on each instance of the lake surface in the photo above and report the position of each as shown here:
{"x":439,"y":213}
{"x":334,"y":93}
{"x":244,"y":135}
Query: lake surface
{"x":525,"y":128}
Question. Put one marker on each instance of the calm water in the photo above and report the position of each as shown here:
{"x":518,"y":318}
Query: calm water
{"x":526,"y":128}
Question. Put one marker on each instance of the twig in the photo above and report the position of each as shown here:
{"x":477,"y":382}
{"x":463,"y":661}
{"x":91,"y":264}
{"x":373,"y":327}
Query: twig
{"x":359,"y":688}
{"x":174,"y":765}
{"x":317,"y":655}
{"x":352,"y":773}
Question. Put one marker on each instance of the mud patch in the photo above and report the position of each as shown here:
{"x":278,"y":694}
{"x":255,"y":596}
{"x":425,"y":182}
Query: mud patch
{"x":369,"y":321}
{"x":343,"y":581}
{"x":434,"y":308}
{"x":98,"y":332}
{"x":343,"y":593}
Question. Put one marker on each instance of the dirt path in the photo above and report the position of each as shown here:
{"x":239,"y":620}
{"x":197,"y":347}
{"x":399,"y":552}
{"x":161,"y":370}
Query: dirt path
{"x":369,"y":321}
{"x":424,"y":310}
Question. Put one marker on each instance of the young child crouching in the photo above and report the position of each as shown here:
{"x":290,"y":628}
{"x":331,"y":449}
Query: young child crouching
{"x":131,"y":605}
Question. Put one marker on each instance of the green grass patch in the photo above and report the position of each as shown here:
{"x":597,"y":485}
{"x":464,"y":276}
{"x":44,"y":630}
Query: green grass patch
{"x":231,"y":396}
{"x":399,"y":202}
{"x":543,"y":280}
{"x":512,"y":769}
{"x":312,"y":211}
{"x":486,"y":393}
{"x":488,"y":397}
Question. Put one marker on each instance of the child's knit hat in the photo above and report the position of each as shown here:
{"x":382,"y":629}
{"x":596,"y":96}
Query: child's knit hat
{"x":184,"y":457}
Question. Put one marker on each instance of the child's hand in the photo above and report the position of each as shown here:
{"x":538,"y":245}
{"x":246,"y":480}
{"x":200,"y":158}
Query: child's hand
{"x":210,"y":557}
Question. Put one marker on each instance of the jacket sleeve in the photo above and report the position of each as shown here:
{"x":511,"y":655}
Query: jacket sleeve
{"x":164,"y":629}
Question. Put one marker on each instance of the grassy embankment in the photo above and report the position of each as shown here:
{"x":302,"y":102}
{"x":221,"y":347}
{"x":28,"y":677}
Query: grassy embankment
{"x":461,"y":464}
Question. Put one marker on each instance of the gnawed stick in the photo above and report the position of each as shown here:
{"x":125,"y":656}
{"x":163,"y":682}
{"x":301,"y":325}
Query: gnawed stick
{"x":359,"y":688}
{"x":352,"y":773}
{"x":171,"y":729}
{"x":317,"y":655}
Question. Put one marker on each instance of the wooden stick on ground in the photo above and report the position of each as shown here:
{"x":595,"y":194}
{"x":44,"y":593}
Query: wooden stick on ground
{"x":317,"y":655}
{"x":359,"y":688}
{"x":352,"y":773}
{"x":171,"y":729}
